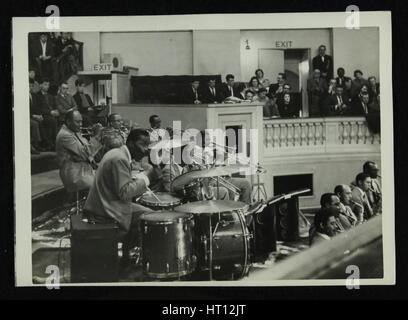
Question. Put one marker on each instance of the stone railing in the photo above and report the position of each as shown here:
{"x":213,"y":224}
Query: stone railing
{"x":318,"y":136}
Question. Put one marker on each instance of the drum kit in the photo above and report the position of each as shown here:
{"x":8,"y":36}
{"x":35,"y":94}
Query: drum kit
{"x":199,"y":240}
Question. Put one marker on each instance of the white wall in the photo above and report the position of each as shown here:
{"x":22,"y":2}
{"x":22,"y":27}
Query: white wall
{"x":154,"y":53}
{"x":356,"y":49}
{"x":266,"y":39}
{"x":91,"y":49}
{"x":216,"y":52}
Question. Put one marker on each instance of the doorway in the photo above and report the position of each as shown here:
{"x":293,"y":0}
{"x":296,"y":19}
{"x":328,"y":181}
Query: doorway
{"x":295,"y":63}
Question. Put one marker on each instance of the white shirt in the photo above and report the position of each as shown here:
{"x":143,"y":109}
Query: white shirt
{"x":157,"y":135}
{"x":44,"y":48}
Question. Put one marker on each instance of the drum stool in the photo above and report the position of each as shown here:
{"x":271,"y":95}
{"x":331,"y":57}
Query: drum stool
{"x":94,"y":251}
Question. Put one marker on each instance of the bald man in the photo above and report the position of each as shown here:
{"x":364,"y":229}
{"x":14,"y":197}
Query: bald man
{"x":350,"y":209}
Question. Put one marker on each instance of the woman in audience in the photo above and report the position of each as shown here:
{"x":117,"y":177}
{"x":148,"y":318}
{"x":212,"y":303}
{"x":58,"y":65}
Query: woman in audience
{"x":249,"y":95}
{"x":254,"y":84}
{"x":259,"y":74}
{"x":287,"y":109}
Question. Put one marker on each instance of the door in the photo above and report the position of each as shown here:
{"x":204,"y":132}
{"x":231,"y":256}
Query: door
{"x":304,"y":70}
{"x":271,"y":61}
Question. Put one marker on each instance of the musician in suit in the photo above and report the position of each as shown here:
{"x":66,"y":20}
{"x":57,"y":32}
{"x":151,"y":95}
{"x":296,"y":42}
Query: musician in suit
{"x":210,"y":94}
{"x":227,"y":90}
{"x":74,"y":156}
{"x":114,"y":187}
{"x":45,"y":106}
{"x":42,"y":53}
{"x":328,"y":221}
{"x":324,"y":63}
{"x":337,"y":104}
{"x":374,"y":193}
{"x":64,"y":101}
{"x":350,"y":209}
{"x":191,"y":94}
{"x":361,"y":187}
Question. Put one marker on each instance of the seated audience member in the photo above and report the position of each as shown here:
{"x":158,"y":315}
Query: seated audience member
{"x":316,"y":88}
{"x":361,"y":187}
{"x":210,"y":94}
{"x":64,"y":101}
{"x":287,"y":108}
{"x":337,"y":104}
{"x":374,"y":193}
{"x":259,"y":74}
{"x":277,"y":87}
{"x":373,"y":89}
{"x":327,"y":221}
{"x":242,"y":90}
{"x":45,"y":106}
{"x":360,"y":105}
{"x":191,"y":94}
{"x":331,"y":90}
{"x":249,"y":95}
{"x":324,"y":63}
{"x":270,"y":109}
{"x":357,"y":83}
{"x":157,"y":133}
{"x":110,"y":197}
{"x":347,"y":90}
{"x":74,"y":155}
{"x":266,"y":84}
{"x":350,"y":209}
{"x":84,"y":103}
{"x":227,"y":90}
{"x":254,"y":84}
{"x":32,"y":75}
{"x":35,"y":121}
{"x":286,"y":88}
{"x":66,"y":55}
{"x":341,"y":78}
{"x":42,"y":50}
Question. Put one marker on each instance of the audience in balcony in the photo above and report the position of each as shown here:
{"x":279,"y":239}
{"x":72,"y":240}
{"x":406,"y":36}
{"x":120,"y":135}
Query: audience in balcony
{"x":277,"y":87}
{"x":287,"y":107}
{"x":360,"y":105}
{"x":65,"y":102}
{"x":341,"y":79}
{"x":227,"y":89}
{"x":316,"y":88}
{"x":373,"y":90}
{"x":32,"y":76}
{"x":324,"y":63}
{"x":270,"y":108}
{"x":191,"y":94}
{"x":338,"y":104}
{"x":35,"y":121}
{"x":259,"y":74}
{"x":210,"y":94}
{"x":266,"y":84}
{"x":84,"y":103}
{"x":42,"y":54}
{"x":66,"y":56}
{"x":254,"y":85}
{"x":357,"y":83}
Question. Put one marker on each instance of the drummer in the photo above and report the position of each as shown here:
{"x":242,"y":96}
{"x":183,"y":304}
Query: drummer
{"x":201,"y":191}
{"x":205,"y":153}
{"x":110,"y":197}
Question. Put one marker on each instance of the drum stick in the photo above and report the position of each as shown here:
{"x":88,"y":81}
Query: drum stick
{"x":148,"y":189}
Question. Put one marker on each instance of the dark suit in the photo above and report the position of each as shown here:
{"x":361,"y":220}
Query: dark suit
{"x":341,"y":82}
{"x":332,"y":108}
{"x":190,"y":95}
{"x":208,"y":96}
{"x":45,"y":67}
{"x":325,"y":65}
{"x":78,"y":101}
{"x":226,"y":92}
{"x":272,"y":89}
{"x":288,"y":110}
{"x":64,"y":104}
{"x":45,"y":104}
{"x":358,"y":109}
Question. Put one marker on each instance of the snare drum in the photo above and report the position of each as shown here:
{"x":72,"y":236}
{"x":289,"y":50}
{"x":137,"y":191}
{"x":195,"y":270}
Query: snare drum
{"x":167,"y":250}
{"x":167,"y":201}
{"x":231,"y":245}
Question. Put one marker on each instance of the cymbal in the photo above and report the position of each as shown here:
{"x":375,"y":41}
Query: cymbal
{"x":248,"y":170}
{"x":211,"y":206}
{"x":168,"y":144}
{"x":188,"y":177}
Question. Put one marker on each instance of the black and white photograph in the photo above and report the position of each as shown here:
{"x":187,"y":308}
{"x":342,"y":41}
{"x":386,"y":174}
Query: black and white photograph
{"x":204,"y":150}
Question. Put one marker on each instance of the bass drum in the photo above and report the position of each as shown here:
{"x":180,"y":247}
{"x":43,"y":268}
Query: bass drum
{"x":231,"y":248}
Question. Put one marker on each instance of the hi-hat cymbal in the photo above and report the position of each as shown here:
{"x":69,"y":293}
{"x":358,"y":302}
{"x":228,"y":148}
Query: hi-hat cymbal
{"x":211,"y":206}
{"x":188,"y":177}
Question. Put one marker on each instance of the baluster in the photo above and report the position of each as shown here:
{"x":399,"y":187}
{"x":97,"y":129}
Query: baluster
{"x":323,"y":132}
{"x":345,"y":131}
{"x":302,"y":134}
{"x":341,"y":132}
{"x":275,"y":135}
{"x":296,"y":134}
{"x":311,"y":133}
{"x":352,"y":132}
{"x":359,"y":131}
{"x":268,"y":139}
{"x":289,"y":141}
{"x":283,"y":133}
{"x":317,"y":134}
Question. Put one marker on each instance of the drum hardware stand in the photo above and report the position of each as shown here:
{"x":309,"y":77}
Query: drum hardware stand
{"x":259,"y":186}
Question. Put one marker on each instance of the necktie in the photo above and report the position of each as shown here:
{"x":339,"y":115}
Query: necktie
{"x":213,"y":92}
{"x":231,"y":92}
{"x":195,"y":93}
{"x":340,"y":100}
